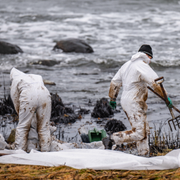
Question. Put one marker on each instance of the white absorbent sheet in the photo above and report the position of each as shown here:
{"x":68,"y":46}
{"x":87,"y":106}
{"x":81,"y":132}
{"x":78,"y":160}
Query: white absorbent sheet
{"x":98,"y":159}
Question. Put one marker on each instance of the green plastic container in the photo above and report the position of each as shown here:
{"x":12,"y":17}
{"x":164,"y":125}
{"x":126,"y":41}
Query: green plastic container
{"x":95,"y":135}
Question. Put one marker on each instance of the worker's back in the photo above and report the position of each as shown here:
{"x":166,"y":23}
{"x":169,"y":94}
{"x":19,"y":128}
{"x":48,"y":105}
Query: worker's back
{"x":23,"y":81}
{"x":132,"y":74}
{"x":26,"y":87}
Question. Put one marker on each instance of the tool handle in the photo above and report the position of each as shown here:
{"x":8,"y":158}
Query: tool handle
{"x":162,"y":88}
{"x":162,"y":98}
{"x":160,"y":78}
{"x":172,"y":114}
{"x":164,"y":93}
{"x":166,"y":100}
{"x":176,"y":109}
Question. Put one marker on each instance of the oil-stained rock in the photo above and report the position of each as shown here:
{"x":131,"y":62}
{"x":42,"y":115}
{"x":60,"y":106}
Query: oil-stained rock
{"x":7,"y":48}
{"x":47,"y":82}
{"x":6,"y":106}
{"x":73,"y":45}
{"x":46,"y":62}
{"x":60,"y":113}
{"x":102,"y":109}
{"x":113,"y":126}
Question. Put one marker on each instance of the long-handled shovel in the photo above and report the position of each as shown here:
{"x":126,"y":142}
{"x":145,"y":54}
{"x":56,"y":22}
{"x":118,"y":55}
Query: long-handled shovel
{"x":174,"y":120}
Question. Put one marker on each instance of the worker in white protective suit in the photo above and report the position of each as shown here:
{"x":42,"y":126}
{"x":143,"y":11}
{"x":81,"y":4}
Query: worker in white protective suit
{"x":31,"y":98}
{"x":134,"y":76}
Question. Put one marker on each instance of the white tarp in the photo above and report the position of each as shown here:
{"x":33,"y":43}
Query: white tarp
{"x":94,"y":158}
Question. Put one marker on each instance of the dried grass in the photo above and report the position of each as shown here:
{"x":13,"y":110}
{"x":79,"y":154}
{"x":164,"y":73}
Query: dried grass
{"x":20,"y":172}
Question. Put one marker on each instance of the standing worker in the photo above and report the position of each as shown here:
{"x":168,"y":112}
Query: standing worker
{"x":134,"y":76}
{"x":31,"y":98}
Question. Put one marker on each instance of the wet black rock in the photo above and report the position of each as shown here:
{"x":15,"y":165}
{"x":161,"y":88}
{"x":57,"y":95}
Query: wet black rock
{"x":6,"y":106}
{"x":47,"y":82}
{"x":114,"y":126}
{"x":73,"y":45}
{"x":46,"y":62}
{"x":102,"y":109}
{"x":60,"y":113}
{"x":7,"y":48}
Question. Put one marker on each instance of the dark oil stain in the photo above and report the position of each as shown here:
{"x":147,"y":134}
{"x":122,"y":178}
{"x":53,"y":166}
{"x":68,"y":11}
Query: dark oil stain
{"x":113,"y":91}
{"x":128,"y":132}
{"x":142,"y":92}
{"x":134,"y":129}
{"x":44,"y":106}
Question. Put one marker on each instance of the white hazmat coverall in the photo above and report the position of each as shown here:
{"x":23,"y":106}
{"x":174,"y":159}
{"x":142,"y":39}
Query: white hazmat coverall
{"x":30,"y":97}
{"x":134,"y":76}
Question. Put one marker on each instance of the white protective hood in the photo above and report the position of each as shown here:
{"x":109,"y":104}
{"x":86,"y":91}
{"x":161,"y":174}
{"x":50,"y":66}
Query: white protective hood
{"x":140,"y":55}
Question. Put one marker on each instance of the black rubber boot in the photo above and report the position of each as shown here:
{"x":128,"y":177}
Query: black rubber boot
{"x":107,"y":142}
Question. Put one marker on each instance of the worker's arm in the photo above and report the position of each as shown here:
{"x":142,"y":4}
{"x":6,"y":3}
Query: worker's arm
{"x":115,"y":86}
{"x":148,"y":75}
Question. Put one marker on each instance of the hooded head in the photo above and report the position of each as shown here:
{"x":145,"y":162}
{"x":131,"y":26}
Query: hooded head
{"x":145,"y":48}
{"x":142,"y":56}
{"x":14,"y":73}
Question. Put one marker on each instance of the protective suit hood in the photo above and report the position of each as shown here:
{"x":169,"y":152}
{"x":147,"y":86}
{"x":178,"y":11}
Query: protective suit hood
{"x":15,"y":73}
{"x":142,"y":56}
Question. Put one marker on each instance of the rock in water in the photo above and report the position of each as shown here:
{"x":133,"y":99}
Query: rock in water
{"x":7,"y":48}
{"x":102,"y":109}
{"x":6,"y":106}
{"x":73,"y":45}
{"x":47,"y":82}
{"x":60,"y":113}
{"x":46,"y":62}
{"x":114,"y":125}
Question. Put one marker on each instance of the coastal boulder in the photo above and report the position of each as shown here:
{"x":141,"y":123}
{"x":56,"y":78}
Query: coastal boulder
{"x":7,"y":48}
{"x":46,"y":62}
{"x":60,"y":113}
{"x":6,"y":106}
{"x":73,"y":45}
{"x":114,"y":125}
{"x":102,"y":109}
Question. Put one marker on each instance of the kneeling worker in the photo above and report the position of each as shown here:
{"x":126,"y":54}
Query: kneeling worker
{"x":30,"y":97}
{"x":134,"y":76}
